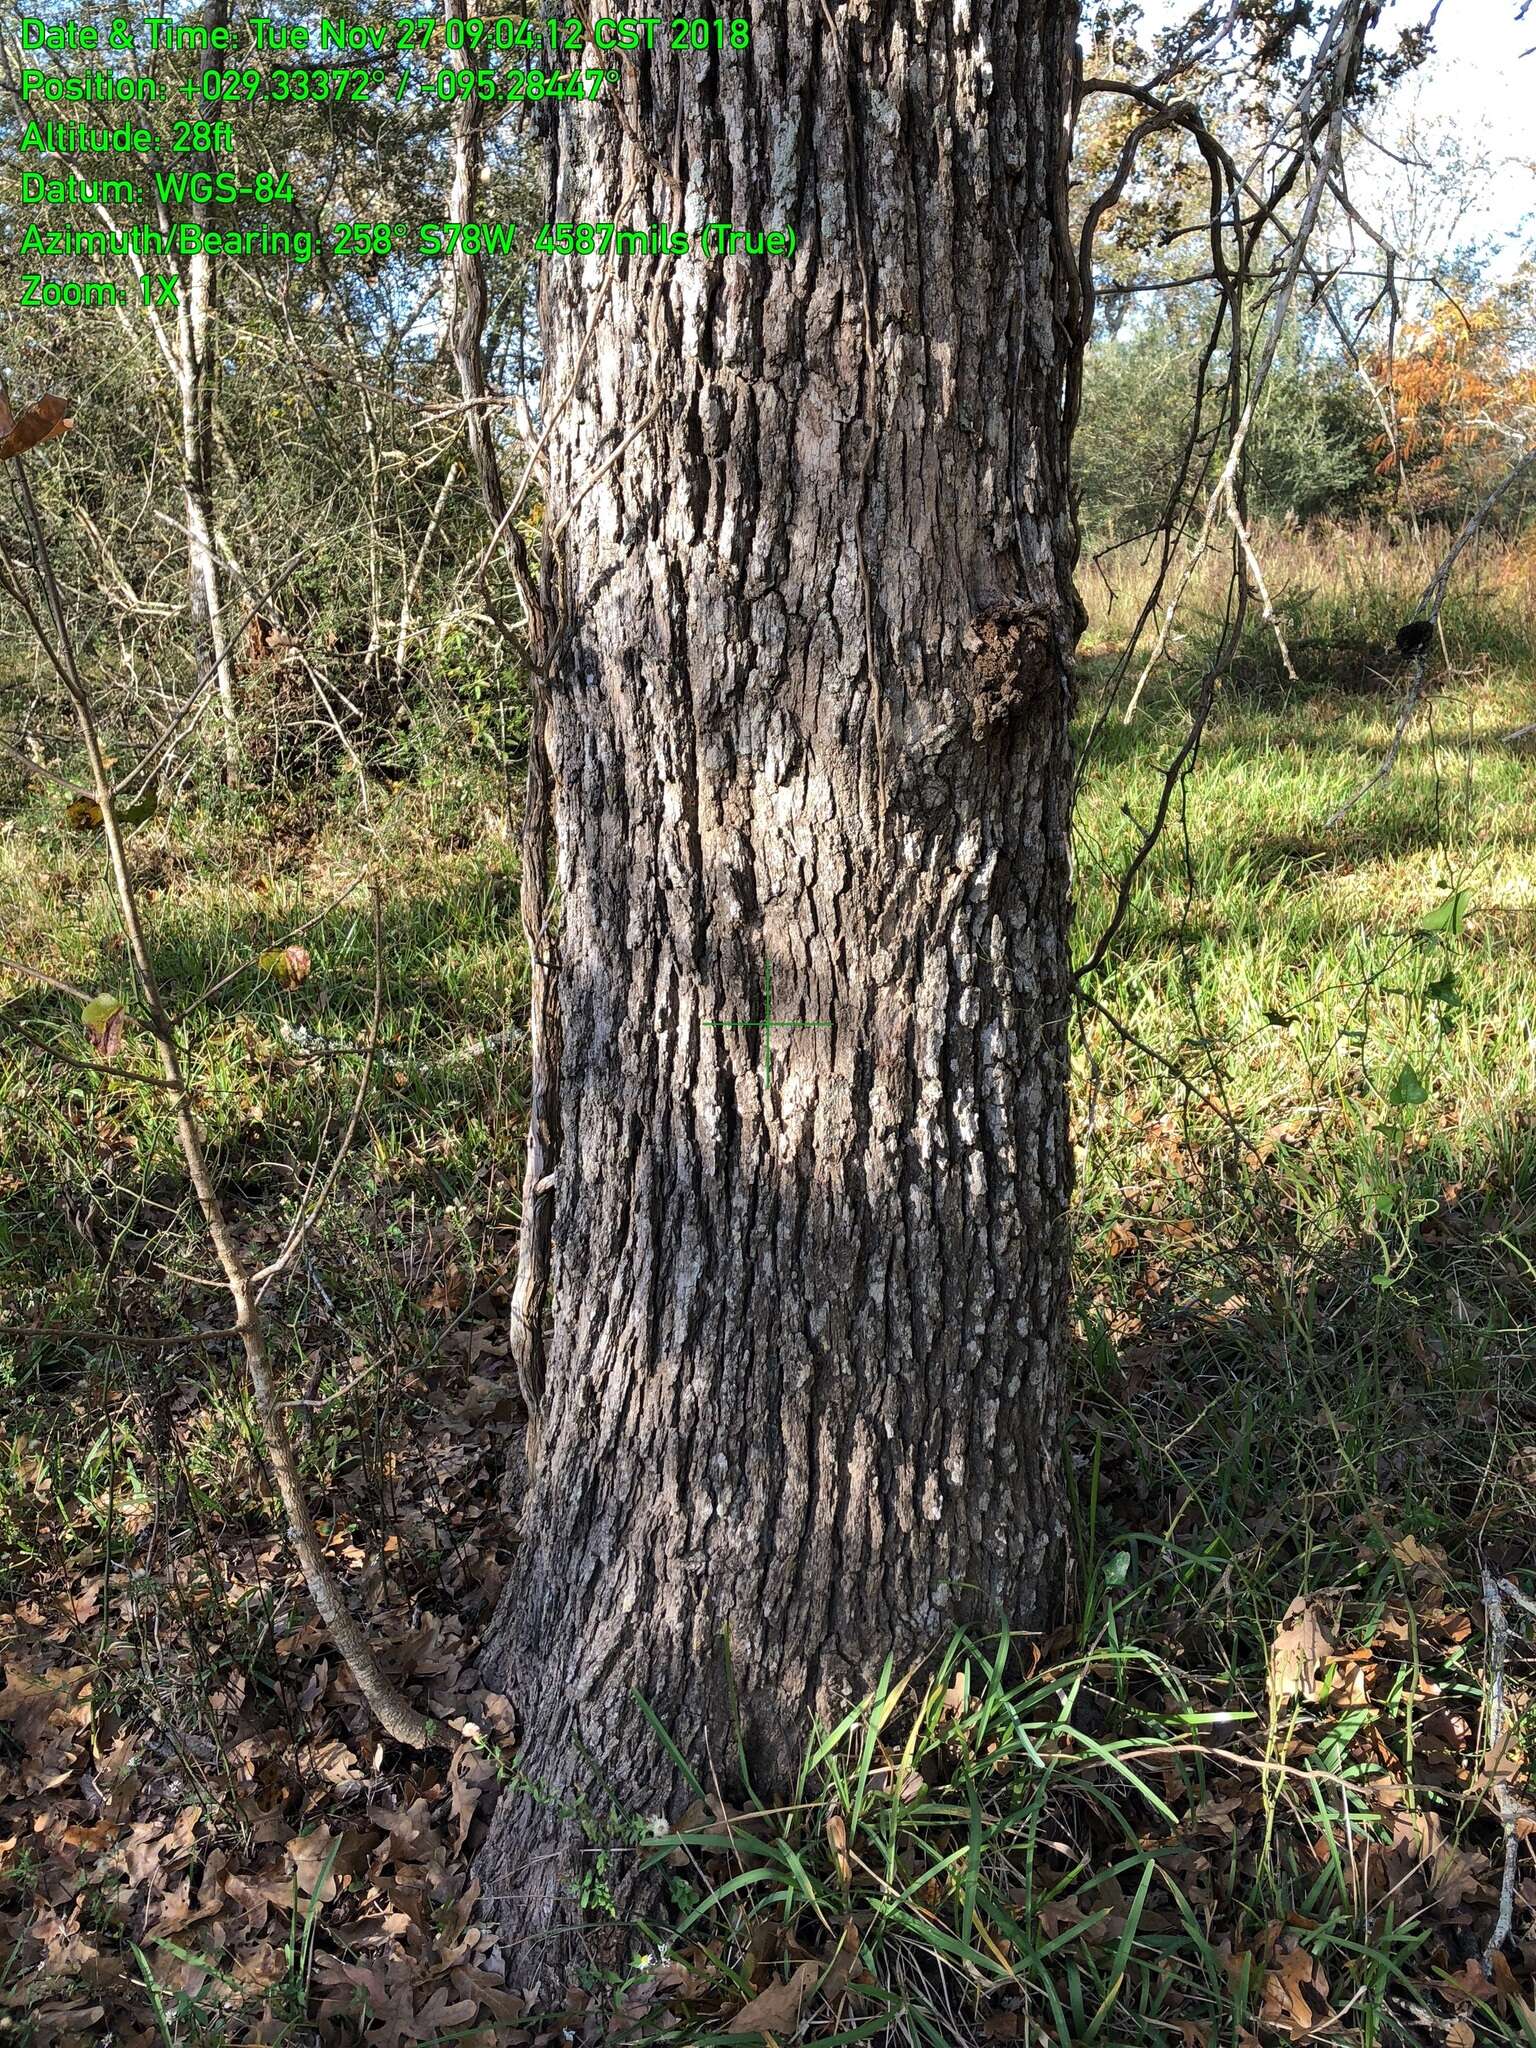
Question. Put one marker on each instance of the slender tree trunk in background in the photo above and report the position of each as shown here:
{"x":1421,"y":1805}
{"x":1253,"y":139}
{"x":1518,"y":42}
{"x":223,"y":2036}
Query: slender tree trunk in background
{"x":466,"y":327}
{"x":466,"y":288}
{"x":809,"y":714}
{"x":195,"y":315}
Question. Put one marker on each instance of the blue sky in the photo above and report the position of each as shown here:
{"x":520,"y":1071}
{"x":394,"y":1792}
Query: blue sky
{"x":1469,"y":117}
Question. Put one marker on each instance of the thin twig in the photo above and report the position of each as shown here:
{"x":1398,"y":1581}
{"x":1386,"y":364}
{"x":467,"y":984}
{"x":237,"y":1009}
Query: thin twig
{"x":41,"y":974}
{"x":172,"y":1341}
{"x":1428,"y":607}
{"x":42,"y":770}
{"x":1511,"y":1810}
{"x":288,"y":938}
{"x":140,"y":1075}
{"x":309,"y":1213}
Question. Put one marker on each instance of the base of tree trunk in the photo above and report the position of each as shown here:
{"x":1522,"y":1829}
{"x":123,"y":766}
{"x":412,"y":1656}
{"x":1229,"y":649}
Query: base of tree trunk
{"x":571,"y":1886}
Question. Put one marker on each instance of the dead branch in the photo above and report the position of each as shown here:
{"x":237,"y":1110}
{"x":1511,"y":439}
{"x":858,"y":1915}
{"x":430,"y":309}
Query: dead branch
{"x":536,"y":906}
{"x":1511,"y":1810}
{"x":1428,"y":608}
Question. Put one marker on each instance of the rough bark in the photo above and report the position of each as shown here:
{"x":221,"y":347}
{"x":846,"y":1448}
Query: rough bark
{"x":809,"y":711}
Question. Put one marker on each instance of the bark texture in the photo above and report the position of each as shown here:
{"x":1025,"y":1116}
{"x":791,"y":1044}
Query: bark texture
{"x":808,"y":710}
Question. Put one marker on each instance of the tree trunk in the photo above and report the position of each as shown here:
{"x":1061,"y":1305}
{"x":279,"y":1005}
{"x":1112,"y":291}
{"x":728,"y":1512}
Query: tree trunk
{"x":809,"y":684}
{"x":466,"y":326}
{"x":196,"y":311}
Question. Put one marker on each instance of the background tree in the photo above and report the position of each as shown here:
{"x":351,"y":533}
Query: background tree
{"x":1463,"y":386}
{"x":313,"y":486}
{"x":1313,"y":435}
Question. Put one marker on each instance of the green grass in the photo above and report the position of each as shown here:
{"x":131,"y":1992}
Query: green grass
{"x":1340,"y":1231}
{"x":976,"y":1854}
{"x":1307,"y":1228}
{"x":93,"y":1201}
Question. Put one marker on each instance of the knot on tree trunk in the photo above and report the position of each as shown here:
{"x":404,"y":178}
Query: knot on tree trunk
{"x":1013,"y":666}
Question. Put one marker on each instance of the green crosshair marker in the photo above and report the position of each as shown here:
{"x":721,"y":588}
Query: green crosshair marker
{"x":768,"y":1023}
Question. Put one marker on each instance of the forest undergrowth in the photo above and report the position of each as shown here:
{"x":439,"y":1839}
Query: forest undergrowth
{"x":1260,"y":1791}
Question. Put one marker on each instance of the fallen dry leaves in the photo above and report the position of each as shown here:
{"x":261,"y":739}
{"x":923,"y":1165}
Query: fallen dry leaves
{"x":1295,"y":1997}
{"x":207,"y":1809}
{"x":155,"y":1795}
{"x":1301,"y":1651}
{"x":776,"y":2010}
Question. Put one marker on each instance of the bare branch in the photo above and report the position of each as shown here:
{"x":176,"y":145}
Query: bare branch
{"x":1428,"y":607}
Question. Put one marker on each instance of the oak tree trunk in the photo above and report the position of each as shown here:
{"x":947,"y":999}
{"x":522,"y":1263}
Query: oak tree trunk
{"x":809,"y":690}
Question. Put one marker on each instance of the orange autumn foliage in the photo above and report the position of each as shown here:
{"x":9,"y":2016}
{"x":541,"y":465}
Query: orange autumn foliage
{"x":1462,"y":387}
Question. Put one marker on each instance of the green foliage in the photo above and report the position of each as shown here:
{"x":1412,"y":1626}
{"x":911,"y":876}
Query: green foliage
{"x":1309,"y":453}
{"x":103,"y":1020}
{"x":1449,"y":916}
{"x":1407,"y":1091}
